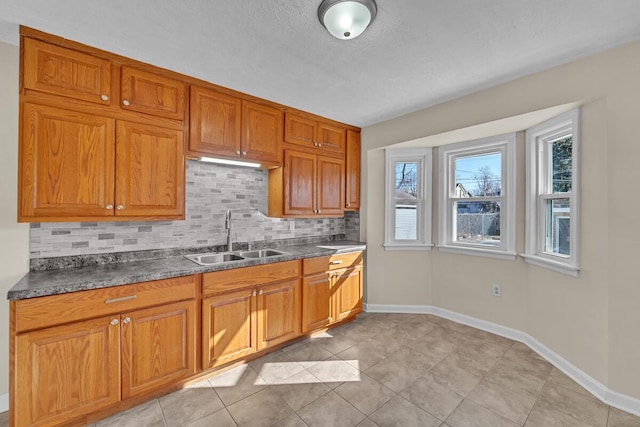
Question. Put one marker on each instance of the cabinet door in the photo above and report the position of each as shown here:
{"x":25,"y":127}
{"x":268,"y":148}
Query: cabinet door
{"x":262,"y":133}
{"x":151,"y":93}
{"x":300,"y":130}
{"x":67,"y":371}
{"x":215,"y":124}
{"x":66,"y":167}
{"x":158,"y":347}
{"x":330,"y":186}
{"x":347,"y":293}
{"x":331,"y":138}
{"x":149,"y":171}
{"x":352,"y":168}
{"x":54,"y":69}
{"x":299,"y":183}
{"x":317,"y":311}
{"x":228,"y":327}
{"x":278,"y":313}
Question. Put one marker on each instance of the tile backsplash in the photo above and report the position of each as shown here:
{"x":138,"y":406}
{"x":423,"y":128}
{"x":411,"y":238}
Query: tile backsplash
{"x":210,"y":190}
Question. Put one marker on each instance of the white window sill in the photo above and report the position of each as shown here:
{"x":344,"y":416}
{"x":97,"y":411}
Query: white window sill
{"x":401,"y":247}
{"x":559,"y":267}
{"x":488,"y":253}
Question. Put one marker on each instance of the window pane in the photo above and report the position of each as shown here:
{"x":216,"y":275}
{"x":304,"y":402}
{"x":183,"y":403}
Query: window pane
{"x":406,"y":221}
{"x":406,"y":200}
{"x":561,"y":165}
{"x":478,"y":176}
{"x":558,"y":227}
{"x":478,"y":223}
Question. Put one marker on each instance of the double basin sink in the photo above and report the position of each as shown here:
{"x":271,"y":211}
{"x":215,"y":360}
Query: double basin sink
{"x":212,"y":258}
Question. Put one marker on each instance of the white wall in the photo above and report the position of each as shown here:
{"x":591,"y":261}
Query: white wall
{"x":592,"y":321}
{"x":14,"y":237}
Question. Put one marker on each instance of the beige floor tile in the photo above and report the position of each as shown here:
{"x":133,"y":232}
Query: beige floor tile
{"x":190,"y":404}
{"x":432,"y":397}
{"x":618,"y":418}
{"x":366,"y":395}
{"x":307,"y":351}
{"x":236,"y":384}
{"x":558,"y":378}
{"x":364,"y":354}
{"x":433,"y":348}
{"x":367,"y":423}
{"x":280,"y":356}
{"x":293,"y":421}
{"x":586,"y":409}
{"x":413,"y":359}
{"x":485,"y":336}
{"x":472,"y":359}
{"x":449,"y":336}
{"x":334,"y":371}
{"x":454,"y":376}
{"x":303,"y":388}
{"x":511,"y":404}
{"x":4,"y":419}
{"x":330,"y":410}
{"x":393,"y":374}
{"x":545,"y":417}
{"x":264,"y":408}
{"x":526,"y":363}
{"x":355,"y":332}
{"x":511,"y":378}
{"x":401,"y":413}
{"x":470,"y":414}
{"x":334,"y":343}
{"x":147,"y":414}
{"x":222,"y":418}
{"x":277,"y":372}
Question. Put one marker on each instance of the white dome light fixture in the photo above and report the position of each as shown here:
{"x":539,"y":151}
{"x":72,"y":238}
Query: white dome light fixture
{"x":346,"y":19}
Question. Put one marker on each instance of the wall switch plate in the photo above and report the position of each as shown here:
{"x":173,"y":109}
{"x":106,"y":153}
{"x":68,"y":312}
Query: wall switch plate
{"x":497,"y":290}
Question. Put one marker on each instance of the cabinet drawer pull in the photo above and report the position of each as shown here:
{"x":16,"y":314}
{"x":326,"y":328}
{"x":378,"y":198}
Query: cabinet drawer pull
{"x":128,"y":297}
{"x":336,"y":262}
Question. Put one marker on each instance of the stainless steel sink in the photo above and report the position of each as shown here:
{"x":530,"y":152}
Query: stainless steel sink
{"x":261,"y":253}
{"x":214,"y":258}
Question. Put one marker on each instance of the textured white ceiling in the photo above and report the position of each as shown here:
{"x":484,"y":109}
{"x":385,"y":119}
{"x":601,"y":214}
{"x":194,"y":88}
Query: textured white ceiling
{"x":417,"y":53}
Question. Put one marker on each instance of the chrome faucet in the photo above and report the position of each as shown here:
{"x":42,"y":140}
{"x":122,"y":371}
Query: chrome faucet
{"x":227,"y":225}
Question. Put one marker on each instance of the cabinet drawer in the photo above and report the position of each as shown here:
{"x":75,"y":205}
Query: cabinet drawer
{"x":52,"y":310}
{"x":332,"y":262}
{"x":222,"y":281}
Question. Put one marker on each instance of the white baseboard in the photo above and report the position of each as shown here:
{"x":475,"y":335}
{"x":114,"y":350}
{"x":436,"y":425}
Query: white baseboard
{"x":599,"y":390}
{"x":4,"y":402}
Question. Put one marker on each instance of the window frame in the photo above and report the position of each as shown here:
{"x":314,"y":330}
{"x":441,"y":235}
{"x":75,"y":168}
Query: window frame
{"x":506,"y":145}
{"x":422,"y":156}
{"x":538,"y":180}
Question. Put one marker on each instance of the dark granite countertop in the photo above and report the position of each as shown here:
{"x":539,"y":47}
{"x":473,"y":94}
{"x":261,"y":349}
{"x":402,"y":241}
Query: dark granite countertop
{"x":53,"y":282}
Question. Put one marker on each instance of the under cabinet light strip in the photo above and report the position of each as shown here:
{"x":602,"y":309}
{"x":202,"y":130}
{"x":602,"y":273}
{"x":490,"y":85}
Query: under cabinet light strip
{"x":229,"y":162}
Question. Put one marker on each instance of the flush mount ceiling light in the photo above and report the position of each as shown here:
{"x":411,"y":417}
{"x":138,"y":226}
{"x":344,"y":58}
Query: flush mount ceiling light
{"x":346,"y":19}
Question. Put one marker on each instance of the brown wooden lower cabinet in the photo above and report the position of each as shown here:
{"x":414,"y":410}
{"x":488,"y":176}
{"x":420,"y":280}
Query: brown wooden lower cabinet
{"x":68,"y":366}
{"x":237,"y":323}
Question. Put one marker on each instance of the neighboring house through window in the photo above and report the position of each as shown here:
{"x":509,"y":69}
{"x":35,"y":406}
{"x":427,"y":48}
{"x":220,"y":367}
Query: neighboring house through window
{"x":552,"y":194}
{"x":408,"y":199}
{"x":477,"y":197}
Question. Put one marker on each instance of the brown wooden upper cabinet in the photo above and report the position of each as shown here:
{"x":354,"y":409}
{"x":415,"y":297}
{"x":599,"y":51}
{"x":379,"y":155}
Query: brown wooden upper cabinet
{"x":308,"y":185}
{"x":224,"y":126}
{"x":352,"y":168}
{"x":66,"y":72}
{"x":315,"y":134}
{"x":151,"y":93}
{"x":79,"y":166}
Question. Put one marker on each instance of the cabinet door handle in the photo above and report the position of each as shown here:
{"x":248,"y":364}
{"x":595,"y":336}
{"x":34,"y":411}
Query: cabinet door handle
{"x":348,"y":204}
{"x":126,"y":320}
{"x":336,"y":262}
{"x":319,"y":144}
{"x":104,"y":97}
{"x":125,"y":102}
{"x":114,"y":322}
{"x":120,"y":207}
{"x":109,"y":207}
{"x":238,"y":152}
{"x":119,"y":299}
{"x":254,"y":293}
{"x":261,"y":292}
{"x":244,"y":153}
{"x":318,"y":211}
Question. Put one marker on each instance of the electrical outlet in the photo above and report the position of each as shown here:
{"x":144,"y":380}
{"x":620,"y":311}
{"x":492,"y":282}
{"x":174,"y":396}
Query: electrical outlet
{"x":292,"y":225}
{"x":497,"y":290}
